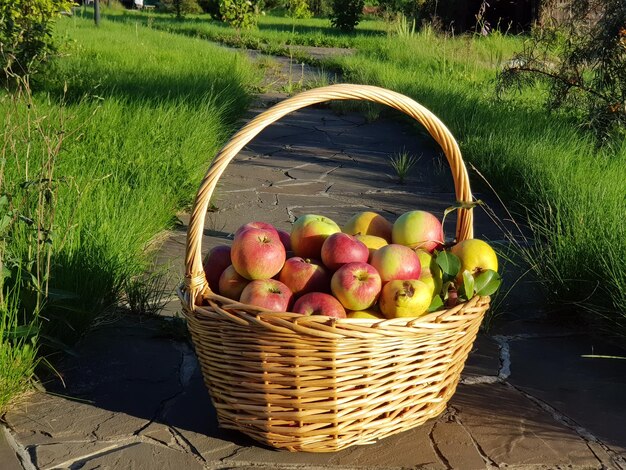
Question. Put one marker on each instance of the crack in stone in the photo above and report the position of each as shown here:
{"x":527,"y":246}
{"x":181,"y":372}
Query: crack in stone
{"x":166,"y":402}
{"x":185,"y":444}
{"x":505,"y":357}
{"x":584,"y":434}
{"x":232,"y":454}
{"x":94,"y":433}
{"x":453,"y":415}
{"x":78,"y":462}
{"x":21,"y":452}
{"x":436,"y":449}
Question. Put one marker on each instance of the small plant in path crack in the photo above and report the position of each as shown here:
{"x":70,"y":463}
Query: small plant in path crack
{"x":402,"y":163}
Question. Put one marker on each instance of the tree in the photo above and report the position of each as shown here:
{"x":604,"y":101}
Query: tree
{"x":582,"y":59}
{"x":346,"y":14}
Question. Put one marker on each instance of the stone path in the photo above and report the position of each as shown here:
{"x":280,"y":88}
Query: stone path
{"x":134,"y":397}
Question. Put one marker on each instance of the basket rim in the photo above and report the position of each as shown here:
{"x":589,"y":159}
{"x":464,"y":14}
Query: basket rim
{"x":195,"y":279}
{"x":241,"y":310}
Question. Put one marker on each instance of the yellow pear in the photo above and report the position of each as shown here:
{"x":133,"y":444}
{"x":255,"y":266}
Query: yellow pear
{"x":405,"y":299}
{"x":475,"y":255}
{"x":431,"y":272}
{"x":370,"y":313}
{"x":372,"y":242}
{"x":369,"y":223}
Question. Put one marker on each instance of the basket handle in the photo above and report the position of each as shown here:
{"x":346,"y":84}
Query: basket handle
{"x":195,"y":280}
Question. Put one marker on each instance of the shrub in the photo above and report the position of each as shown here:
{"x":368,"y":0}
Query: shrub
{"x":582,"y":59}
{"x":320,"y":7}
{"x":26,"y":33}
{"x":181,"y":7}
{"x":240,"y":14}
{"x":346,"y":14}
{"x":299,"y":9}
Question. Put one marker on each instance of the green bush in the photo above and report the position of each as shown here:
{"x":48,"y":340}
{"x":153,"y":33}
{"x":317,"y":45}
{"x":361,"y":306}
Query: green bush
{"x":240,"y":14}
{"x":582,"y":59}
{"x":181,"y":7}
{"x":346,"y":14}
{"x":299,"y":9}
{"x":26,"y":33}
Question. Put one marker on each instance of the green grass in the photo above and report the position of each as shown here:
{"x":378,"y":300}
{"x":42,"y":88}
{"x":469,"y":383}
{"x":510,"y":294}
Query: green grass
{"x":274,"y":34}
{"x":569,"y":193}
{"x":18,"y":350}
{"x":144,"y":113}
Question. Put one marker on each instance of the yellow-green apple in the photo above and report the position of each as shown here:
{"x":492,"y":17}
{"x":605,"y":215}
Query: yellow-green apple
{"x":257,"y":253}
{"x":309,"y":233}
{"x":214,"y":264}
{"x":431,"y":272}
{"x":356,"y":285}
{"x":370,"y":313}
{"x":232,"y":283}
{"x":396,"y":262}
{"x":249,"y":225}
{"x":408,"y":298}
{"x":475,"y":255}
{"x":418,"y":229}
{"x":285,"y":238}
{"x":369,"y":223}
{"x":318,"y":303}
{"x":304,"y":275}
{"x":267,"y":293}
{"x":341,"y":248}
{"x":372,"y":242}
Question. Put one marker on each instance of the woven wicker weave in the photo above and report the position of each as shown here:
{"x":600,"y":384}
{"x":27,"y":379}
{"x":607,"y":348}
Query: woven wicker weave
{"x":315,"y":383}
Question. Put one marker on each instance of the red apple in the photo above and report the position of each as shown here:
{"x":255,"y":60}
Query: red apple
{"x":304,"y":275}
{"x":231,"y":283}
{"x":249,"y":225}
{"x":267,"y":293}
{"x":418,"y":229}
{"x":341,"y":248}
{"x":317,"y":303}
{"x":396,"y":262}
{"x":285,"y":238}
{"x":356,"y":285}
{"x":214,"y":264}
{"x":257,"y":253}
{"x":309,"y":233}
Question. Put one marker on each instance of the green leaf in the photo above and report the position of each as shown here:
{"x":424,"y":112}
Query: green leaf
{"x":487,"y":282}
{"x":20,"y":332}
{"x":436,"y":304}
{"x":450,"y":265}
{"x":5,"y":221}
{"x":468,"y":284}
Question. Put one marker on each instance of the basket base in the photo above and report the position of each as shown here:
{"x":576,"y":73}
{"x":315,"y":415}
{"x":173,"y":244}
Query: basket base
{"x":365,"y":432}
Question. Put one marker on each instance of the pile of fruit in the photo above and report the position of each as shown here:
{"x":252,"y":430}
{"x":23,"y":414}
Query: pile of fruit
{"x":370,"y":269}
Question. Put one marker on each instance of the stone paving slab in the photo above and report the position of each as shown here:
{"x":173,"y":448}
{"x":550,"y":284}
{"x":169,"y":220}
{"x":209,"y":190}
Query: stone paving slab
{"x":8,"y":458}
{"x":587,"y":390}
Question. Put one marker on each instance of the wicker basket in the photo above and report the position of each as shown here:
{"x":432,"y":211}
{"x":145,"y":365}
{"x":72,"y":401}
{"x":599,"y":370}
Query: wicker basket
{"x":317,"y":383}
